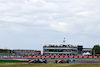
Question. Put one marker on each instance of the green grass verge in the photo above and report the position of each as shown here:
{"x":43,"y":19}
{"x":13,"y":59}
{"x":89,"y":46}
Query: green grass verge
{"x":88,"y":59}
{"x":52,"y":65}
{"x":11,"y":61}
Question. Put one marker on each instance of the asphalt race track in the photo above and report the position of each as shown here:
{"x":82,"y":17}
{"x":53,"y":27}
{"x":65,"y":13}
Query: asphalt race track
{"x":78,"y":61}
{"x":53,"y":61}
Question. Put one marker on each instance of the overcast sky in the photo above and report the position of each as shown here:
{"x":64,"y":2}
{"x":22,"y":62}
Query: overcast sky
{"x":26,"y":24}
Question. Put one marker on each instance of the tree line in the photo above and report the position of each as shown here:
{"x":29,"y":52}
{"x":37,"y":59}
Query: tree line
{"x":96,"y":50}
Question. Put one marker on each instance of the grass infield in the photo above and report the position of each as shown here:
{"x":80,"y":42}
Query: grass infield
{"x":88,"y":59}
{"x":52,"y":65}
{"x":12,"y":61}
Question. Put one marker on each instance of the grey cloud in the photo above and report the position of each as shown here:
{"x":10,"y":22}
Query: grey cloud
{"x":48,"y":19}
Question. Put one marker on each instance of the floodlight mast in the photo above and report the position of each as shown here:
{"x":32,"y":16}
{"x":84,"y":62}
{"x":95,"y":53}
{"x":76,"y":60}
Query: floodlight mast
{"x":64,"y":40}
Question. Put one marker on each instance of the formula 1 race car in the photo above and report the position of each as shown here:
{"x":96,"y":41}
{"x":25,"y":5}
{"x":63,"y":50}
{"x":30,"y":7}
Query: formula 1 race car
{"x":38,"y":61}
{"x":64,"y":61}
{"x":71,"y":60}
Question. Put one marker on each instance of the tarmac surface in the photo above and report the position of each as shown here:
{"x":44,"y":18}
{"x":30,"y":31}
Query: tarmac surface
{"x":78,"y":61}
{"x":58,"y":63}
{"x":53,"y":62}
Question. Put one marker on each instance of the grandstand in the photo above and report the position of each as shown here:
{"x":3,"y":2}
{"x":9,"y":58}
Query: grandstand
{"x":4,"y":51}
{"x":25,"y":52}
{"x":64,"y":49}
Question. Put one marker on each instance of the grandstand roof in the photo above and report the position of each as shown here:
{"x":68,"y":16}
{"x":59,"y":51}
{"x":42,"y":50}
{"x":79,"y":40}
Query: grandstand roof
{"x":4,"y":48}
{"x":58,"y":44}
